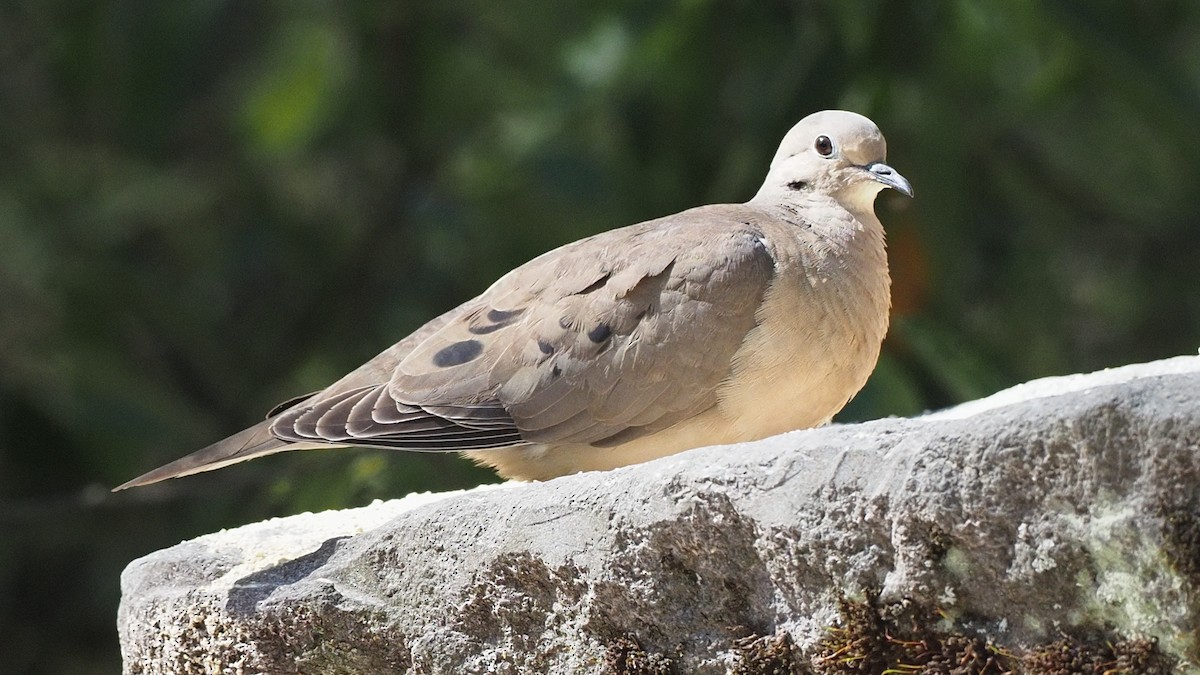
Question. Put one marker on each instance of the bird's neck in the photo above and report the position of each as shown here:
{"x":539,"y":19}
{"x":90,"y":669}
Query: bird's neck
{"x":834,"y":235}
{"x":858,"y":199}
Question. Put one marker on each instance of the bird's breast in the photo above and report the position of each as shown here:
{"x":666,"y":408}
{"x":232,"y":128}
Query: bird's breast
{"x":816,"y":340}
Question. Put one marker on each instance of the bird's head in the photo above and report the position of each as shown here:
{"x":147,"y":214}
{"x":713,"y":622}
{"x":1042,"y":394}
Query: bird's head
{"x":835,"y":153}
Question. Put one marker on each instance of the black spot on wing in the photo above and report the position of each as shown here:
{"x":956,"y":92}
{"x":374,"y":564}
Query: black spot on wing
{"x":498,"y":318}
{"x":503,"y":315}
{"x":600,"y":333}
{"x":545,"y":347}
{"x":487,"y":328}
{"x":457,"y":353}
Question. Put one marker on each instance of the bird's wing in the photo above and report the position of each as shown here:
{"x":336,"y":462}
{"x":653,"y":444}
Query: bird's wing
{"x":600,"y":341}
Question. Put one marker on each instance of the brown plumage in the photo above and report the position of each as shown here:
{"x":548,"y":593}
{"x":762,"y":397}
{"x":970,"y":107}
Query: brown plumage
{"x":719,"y":324}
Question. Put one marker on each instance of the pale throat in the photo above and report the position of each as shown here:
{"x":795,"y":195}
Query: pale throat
{"x":859,"y":198}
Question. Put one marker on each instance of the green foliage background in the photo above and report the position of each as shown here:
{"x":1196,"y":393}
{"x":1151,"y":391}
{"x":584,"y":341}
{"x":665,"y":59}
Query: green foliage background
{"x":207,"y":207}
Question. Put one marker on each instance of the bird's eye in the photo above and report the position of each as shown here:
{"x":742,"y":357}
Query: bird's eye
{"x":823,"y":146}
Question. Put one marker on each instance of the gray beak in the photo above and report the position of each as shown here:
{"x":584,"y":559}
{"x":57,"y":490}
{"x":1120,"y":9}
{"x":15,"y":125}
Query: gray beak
{"x":890,"y":177}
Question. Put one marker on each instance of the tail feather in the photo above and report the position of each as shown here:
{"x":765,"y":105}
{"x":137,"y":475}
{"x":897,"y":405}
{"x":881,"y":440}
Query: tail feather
{"x":247,"y":444}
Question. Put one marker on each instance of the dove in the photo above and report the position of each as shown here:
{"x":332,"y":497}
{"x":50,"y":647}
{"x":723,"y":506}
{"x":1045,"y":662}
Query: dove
{"x":719,"y":324}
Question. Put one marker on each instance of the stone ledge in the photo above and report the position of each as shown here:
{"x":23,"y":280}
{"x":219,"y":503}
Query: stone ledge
{"x":1066,"y":506}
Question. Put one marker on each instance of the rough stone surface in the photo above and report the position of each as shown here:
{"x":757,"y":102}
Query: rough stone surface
{"x":1064,"y":507}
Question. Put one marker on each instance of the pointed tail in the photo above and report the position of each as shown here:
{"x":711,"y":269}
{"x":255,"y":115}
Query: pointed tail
{"x":247,"y":444}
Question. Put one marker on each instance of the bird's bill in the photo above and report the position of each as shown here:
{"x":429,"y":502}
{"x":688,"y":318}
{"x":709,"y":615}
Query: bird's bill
{"x":889,"y":177}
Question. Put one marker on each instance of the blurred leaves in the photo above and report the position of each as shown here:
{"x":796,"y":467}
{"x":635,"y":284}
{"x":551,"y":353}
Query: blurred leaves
{"x":207,"y":207}
{"x":297,"y":88}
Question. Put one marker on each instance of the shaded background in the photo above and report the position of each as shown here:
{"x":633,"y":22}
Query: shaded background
{"x":207,"y":207}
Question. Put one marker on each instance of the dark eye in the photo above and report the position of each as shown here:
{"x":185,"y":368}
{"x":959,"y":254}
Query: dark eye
{"x":823,"y":146}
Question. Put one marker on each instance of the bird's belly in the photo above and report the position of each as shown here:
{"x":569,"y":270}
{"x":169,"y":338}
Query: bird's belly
{"x":810,"y":353}
{"x":544,"y":461}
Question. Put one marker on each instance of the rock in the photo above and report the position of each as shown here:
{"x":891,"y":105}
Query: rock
{"x":1055,"y":523}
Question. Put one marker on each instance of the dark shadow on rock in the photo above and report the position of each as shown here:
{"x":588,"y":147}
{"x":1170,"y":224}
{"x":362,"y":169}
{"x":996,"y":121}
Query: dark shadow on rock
{"x":248,"y":591}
